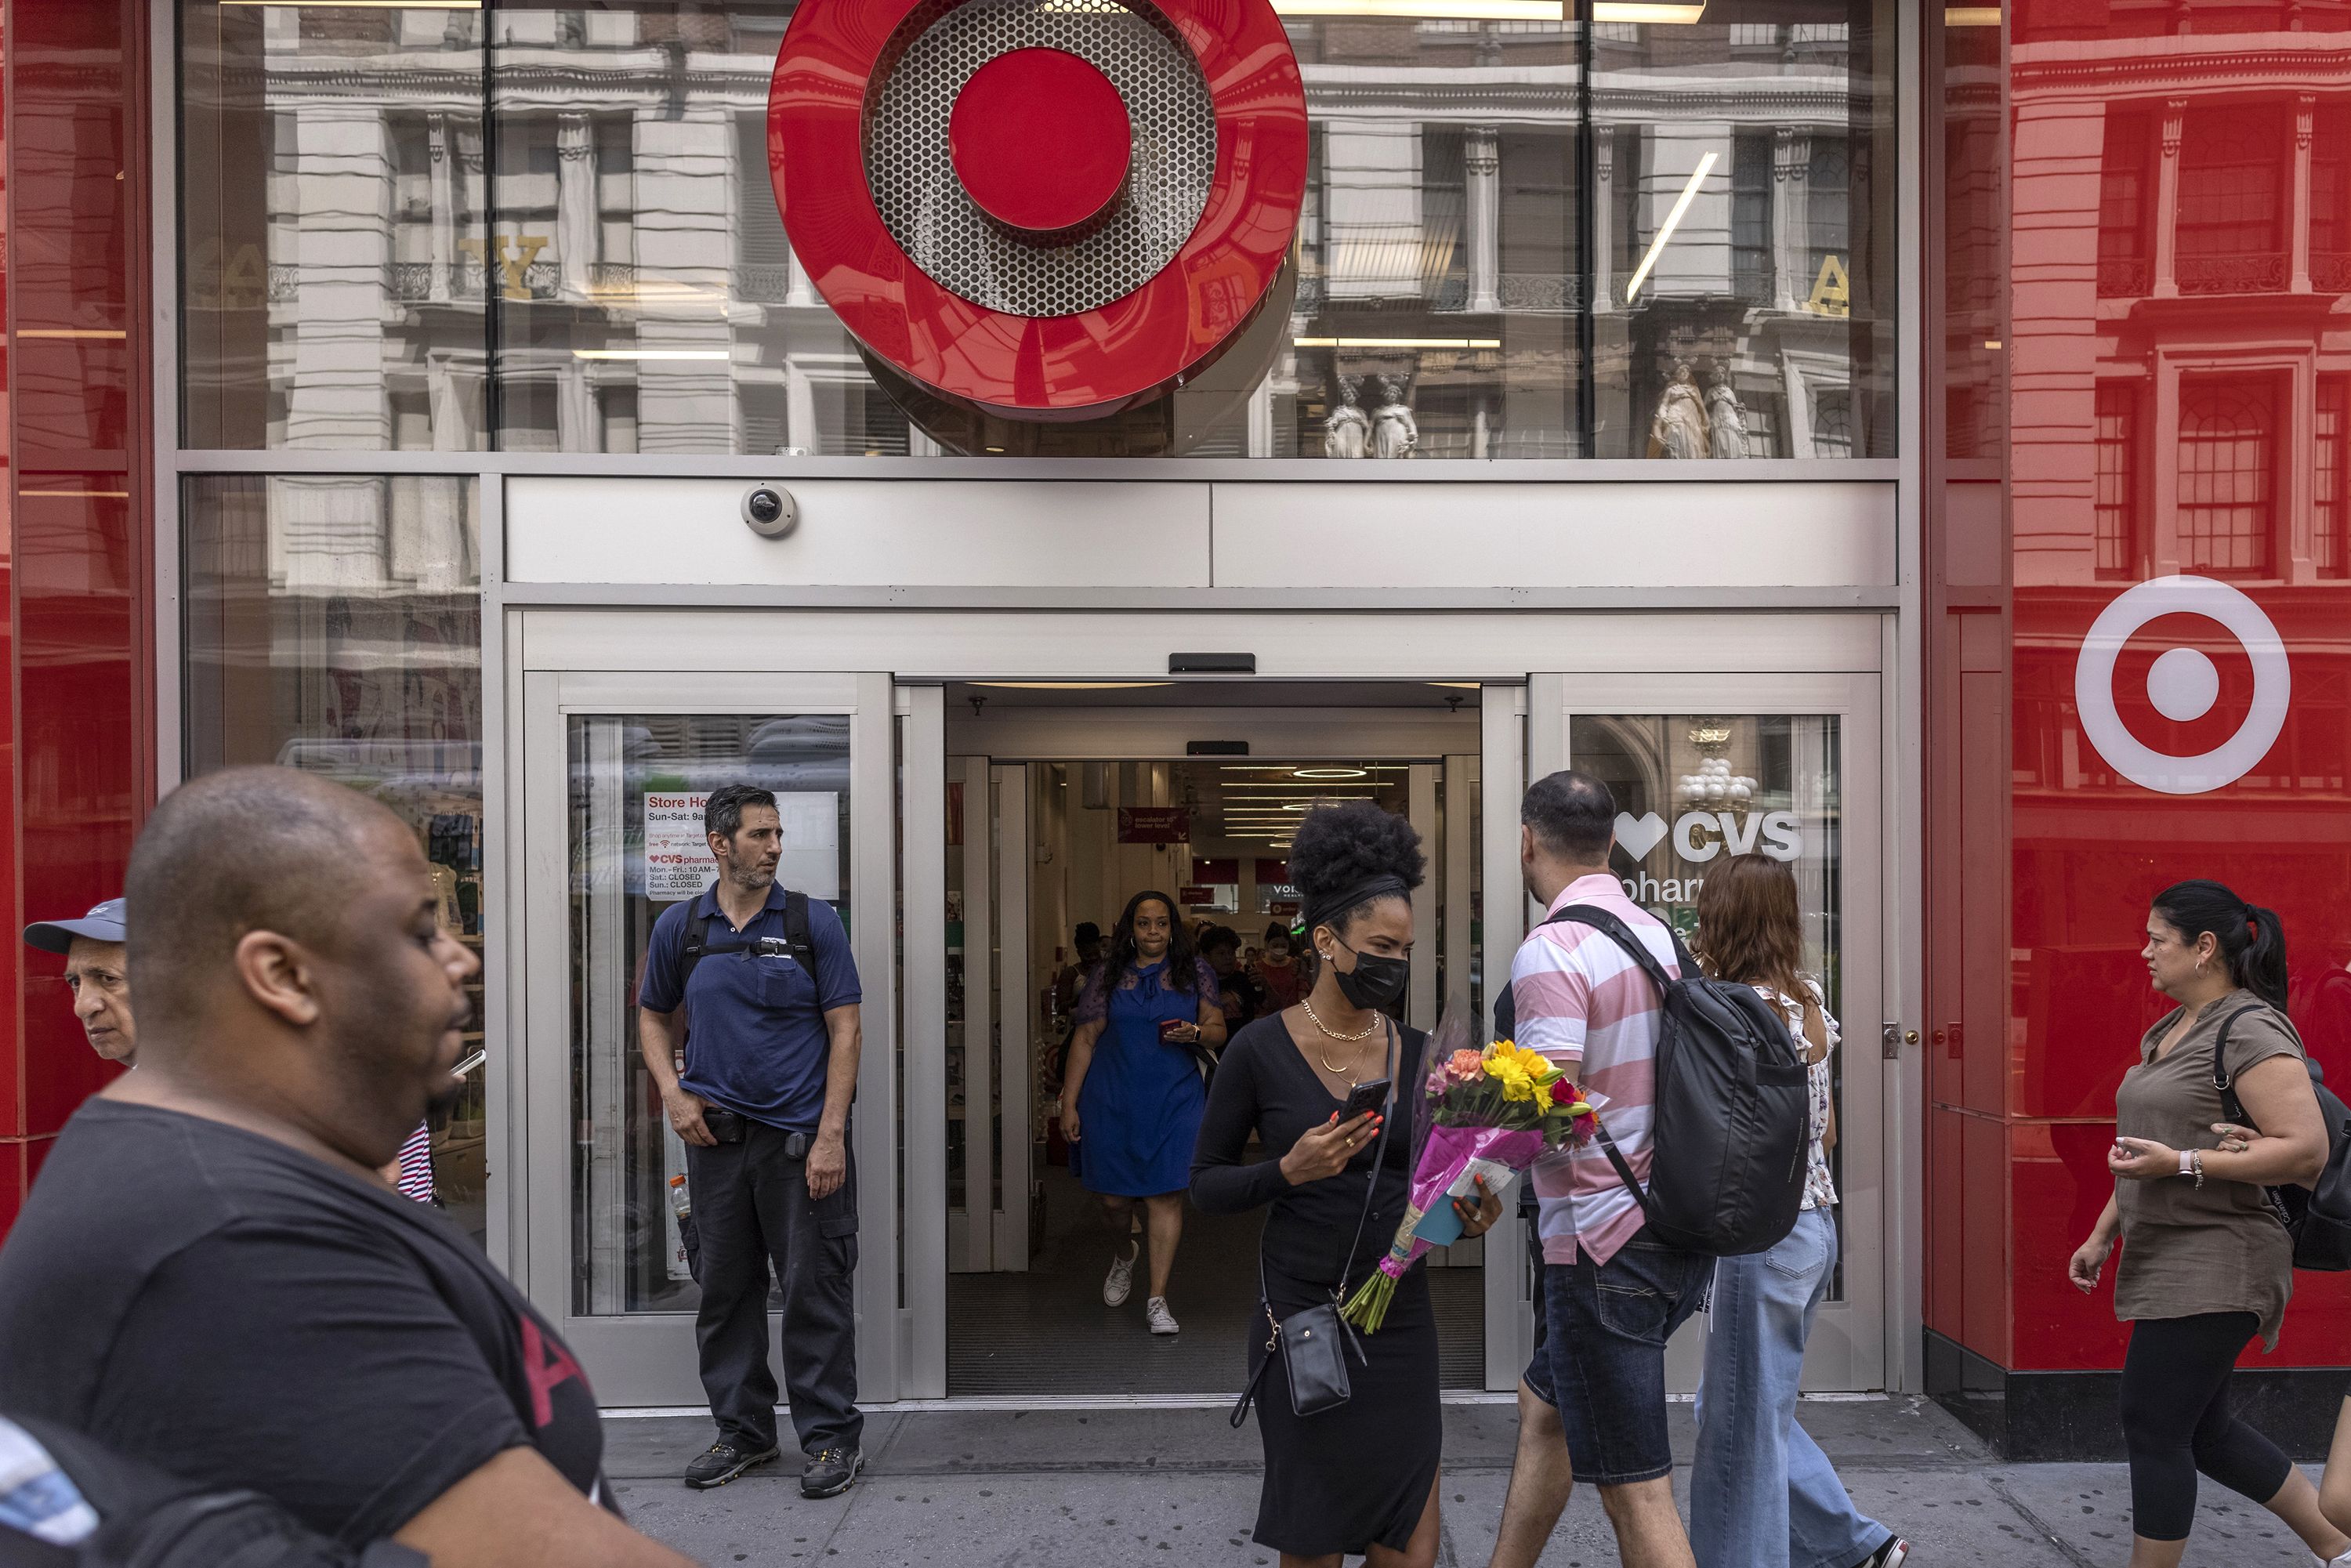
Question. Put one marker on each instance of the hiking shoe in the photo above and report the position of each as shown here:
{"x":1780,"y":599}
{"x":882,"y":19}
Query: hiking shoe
{"x":723,"y":1462}
{"x":1162,"y":1320}
{"x":1893,"y":1554}
{"x":1118,"y":1283}
{"x":829,"y":1472}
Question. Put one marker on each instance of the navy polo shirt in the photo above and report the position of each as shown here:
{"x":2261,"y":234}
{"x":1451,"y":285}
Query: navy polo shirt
{"x":756,"y":1042}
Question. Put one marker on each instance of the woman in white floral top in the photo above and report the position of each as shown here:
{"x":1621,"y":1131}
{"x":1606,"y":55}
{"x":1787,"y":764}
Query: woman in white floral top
{"x":1762,"y":1494}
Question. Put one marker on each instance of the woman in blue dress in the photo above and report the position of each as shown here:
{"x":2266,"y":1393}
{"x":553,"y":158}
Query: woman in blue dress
{"x":1132,"y":1098}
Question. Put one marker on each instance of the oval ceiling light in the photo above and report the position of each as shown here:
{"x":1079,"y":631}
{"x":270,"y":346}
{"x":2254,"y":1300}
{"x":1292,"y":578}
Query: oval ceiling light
{"x":1330,"y":773}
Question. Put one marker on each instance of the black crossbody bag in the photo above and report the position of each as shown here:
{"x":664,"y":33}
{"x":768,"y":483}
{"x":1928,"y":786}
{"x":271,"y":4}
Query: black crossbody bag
{"x":1314,"y":1343}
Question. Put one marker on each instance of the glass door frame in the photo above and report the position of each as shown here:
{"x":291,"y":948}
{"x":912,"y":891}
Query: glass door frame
{"x":1851,"y":1347}
{"x":648,"y":1359}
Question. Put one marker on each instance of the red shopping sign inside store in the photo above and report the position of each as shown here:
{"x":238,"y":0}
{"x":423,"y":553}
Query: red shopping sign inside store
{"x":1042,"y":211}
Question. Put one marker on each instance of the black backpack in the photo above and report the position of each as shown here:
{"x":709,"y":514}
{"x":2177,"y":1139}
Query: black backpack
{"x":2318,"y":1217}
{"x":147,"y":1519}
{"x":1733,"y":1117}
{"x":795,"y":943}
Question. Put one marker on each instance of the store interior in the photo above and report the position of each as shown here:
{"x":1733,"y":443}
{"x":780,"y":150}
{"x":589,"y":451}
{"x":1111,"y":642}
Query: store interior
{"x":1202,"y":809}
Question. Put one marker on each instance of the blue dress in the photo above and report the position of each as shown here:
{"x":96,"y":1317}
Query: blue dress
{"x":1139,"y":1110}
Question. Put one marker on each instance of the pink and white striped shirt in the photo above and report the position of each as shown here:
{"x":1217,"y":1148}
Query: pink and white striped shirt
{"x":416,"y":1165}
{"x":1584,"y":1003}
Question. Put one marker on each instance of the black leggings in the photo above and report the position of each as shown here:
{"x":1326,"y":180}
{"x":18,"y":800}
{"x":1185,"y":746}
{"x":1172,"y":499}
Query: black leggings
{"x":2176,"y":1420}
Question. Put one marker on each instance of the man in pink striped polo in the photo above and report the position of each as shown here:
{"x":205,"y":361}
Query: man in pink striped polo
{"x":1608,"y":1295}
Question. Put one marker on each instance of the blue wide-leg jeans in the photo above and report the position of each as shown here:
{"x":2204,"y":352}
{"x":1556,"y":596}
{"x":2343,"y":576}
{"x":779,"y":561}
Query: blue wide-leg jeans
{"x":1763,"y":1495}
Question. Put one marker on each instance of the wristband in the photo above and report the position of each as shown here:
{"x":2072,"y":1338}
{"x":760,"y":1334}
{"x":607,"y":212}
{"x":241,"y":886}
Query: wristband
{"x":2187,"y":1163}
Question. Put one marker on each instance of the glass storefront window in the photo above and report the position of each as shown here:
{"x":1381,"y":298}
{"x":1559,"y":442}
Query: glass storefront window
{"x":638,"y":785}
{"x":1693,"y":788}
{"x":1523,"y":237}
{"x":337,"y":268}
{"x":333,"y":625}
{"x":1743,"y":233}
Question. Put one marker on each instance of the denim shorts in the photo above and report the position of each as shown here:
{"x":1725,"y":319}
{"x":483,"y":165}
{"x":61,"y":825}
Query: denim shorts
{"x":1600,"y":1360}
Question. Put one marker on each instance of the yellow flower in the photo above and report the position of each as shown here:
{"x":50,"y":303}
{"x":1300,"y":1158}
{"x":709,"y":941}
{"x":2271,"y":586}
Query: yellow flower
{"x":1516,"y":1084}
{"x":1533,"y":1063}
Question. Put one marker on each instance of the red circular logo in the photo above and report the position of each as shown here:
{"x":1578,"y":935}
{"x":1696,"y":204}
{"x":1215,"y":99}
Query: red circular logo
{"x":1039,"y":209}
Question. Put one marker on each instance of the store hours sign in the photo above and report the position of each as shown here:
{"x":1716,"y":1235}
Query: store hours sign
{"x":679,"y":865}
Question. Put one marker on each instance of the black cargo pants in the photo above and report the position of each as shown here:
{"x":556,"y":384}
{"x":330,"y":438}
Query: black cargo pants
{"x":752,"y":1208}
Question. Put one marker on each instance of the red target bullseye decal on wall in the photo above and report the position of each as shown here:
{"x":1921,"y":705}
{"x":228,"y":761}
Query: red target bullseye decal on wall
{"x":1045,"y":209}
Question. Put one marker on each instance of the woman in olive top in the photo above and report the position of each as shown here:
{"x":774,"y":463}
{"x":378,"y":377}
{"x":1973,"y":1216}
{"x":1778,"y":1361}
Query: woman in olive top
{"x":2206,"y":1264}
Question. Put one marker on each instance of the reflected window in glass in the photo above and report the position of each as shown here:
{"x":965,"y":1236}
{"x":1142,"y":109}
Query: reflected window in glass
{"x":333,"y":625}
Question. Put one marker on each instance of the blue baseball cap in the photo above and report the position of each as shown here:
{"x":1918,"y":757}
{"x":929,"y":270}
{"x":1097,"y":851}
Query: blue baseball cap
{"x":102,"y":924}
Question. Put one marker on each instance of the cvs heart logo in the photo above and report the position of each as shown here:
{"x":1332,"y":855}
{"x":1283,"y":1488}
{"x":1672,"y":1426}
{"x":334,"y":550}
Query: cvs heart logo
{"x":1639,"y":835}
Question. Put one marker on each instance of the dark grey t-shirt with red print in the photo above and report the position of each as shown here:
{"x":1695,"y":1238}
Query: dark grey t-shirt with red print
{"x":229,"y":1310}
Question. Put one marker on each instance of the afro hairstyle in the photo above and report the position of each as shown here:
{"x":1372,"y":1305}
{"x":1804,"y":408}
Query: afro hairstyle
{"x":1339,"y":846}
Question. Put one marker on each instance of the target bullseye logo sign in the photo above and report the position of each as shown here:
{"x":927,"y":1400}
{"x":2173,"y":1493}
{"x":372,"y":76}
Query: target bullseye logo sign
{"x":2183,"y":684}
{"x":1044,"y":209}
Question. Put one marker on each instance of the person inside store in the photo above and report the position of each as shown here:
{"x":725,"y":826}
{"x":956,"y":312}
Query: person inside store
{"x":1359,"y":1478}
{"x":1763,"y":1495}
{"x":1241,"y":992}
{"x":757,"y":985}
{"x":1278,"y":972}
{"x":212,"y":1278}
{"x":2206,"y":1264}
{"x":1070,"y":983}
{"x":1132,"y":1098}
{"x":97,"y":974}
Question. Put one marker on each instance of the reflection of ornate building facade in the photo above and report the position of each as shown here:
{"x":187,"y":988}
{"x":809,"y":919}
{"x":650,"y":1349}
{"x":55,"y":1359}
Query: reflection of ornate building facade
{"x":618,"y":239}
{"x":2144,"y":373}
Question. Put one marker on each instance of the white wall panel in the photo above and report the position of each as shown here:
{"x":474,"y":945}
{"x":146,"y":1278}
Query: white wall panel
{"x":913,"y":534}
{"x":1705,"y":533}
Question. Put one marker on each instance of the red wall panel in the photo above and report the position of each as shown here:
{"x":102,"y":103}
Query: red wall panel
{"x":78,"y":544}
{"x":2140,"y":323}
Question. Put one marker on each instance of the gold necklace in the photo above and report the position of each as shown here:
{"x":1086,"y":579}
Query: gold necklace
{"x":1364,"y":1033}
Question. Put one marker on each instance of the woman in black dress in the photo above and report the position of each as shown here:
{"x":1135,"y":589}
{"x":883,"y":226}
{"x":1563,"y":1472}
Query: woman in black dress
{"x":1359,"y":1479}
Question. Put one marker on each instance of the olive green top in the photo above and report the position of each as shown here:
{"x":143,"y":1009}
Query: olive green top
{"x":2215,"y":1248}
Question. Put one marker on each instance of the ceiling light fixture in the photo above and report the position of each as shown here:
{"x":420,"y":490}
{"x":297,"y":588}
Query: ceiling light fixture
{"x":1397,"y":342}
{"x":1070,"y":685}
{"x":647,"y":353}
{"x":1673,"y":220}
{"x":1670,"y":16}
{"x":1329,"y":772}
{"x":1970,"y":16}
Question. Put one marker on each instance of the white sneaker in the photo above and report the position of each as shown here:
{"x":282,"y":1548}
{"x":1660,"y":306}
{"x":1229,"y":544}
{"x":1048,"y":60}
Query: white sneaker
{"x":1162,"y":1320}
{"x":1893,"y":1554}
{"x":1118,"y":1283}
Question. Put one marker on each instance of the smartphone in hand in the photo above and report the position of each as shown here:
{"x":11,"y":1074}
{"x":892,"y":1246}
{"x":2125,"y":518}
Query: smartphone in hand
{"x":1368,"y":1096}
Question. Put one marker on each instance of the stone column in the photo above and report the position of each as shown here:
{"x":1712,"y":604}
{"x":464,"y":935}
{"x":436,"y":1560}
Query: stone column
{"x":1481,"y":162}
{"x":343,"y":175}
{"x":575,"y":201}
{"x":1602,"y":259}
{"x":577,"y":428}
{"x":1791,"y":219}
{"x":2167,"y":202}
{"x":442,"y":156}
{"x":2305,"y":108}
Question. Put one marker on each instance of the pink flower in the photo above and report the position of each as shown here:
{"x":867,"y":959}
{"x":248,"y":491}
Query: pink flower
{"x":1434,"y":1086}
{"x":1464,"y":1066}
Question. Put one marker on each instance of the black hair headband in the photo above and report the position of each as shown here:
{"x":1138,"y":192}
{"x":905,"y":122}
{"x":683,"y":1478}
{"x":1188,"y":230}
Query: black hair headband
{"x":1328,"y":908}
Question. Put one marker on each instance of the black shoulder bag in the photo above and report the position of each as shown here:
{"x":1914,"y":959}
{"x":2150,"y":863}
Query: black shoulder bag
{"x":2317,"y":1216}
{"x":1313,"y":1344}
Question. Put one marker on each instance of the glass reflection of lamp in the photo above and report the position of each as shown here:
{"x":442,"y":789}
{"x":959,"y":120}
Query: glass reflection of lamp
{"x":1713,"y":785}
{"x":1667,"y":15}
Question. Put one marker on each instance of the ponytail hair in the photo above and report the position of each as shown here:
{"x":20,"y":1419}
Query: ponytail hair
{"x":2252,"y":942}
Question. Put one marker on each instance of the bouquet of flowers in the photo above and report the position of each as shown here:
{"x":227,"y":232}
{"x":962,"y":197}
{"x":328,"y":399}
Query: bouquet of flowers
{"x":1486,"y":1113}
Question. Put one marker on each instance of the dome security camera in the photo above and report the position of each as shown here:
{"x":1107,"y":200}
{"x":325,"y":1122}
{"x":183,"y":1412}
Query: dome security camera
{"x":769,"y":510}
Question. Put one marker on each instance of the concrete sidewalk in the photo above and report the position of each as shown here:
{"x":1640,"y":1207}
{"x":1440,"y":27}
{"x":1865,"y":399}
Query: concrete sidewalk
{"x":1178,"y":1489}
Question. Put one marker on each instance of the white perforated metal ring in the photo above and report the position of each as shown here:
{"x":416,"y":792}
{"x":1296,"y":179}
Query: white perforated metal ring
{"x":927,"y":211}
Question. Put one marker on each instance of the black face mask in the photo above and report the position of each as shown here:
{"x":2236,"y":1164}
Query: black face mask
{"x":1375,"y":981}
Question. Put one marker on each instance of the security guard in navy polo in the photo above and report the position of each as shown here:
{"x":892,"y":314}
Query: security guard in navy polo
{"x":761,"y":983}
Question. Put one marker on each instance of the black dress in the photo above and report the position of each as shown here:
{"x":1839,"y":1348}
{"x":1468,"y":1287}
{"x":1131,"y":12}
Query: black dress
{"x":1358,"y":1475}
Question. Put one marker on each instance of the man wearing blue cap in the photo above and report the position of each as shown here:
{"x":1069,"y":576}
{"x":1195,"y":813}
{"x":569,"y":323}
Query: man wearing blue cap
{"x":95,"y":972}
